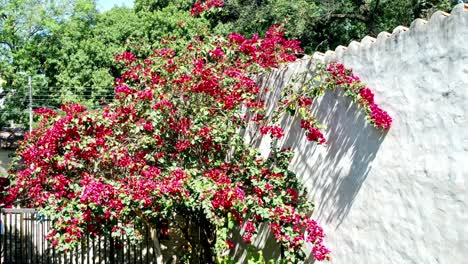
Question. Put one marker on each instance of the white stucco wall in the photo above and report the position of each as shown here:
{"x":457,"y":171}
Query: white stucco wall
{"x":397,"y":197}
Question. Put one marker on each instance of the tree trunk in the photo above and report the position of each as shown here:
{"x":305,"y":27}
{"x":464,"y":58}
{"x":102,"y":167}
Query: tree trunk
{"x":207,"y":239}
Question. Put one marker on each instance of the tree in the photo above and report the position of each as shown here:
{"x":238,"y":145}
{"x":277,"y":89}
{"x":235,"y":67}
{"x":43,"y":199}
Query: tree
{"x":71,"y":56}
{"x":27,"y":46}
{"x":323,"y":25}
{"x":255,"y":17}
{"x":83,"y":69}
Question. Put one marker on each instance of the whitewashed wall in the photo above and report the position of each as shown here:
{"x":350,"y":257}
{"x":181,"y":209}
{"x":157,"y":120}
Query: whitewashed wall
{"x":402,"y":196}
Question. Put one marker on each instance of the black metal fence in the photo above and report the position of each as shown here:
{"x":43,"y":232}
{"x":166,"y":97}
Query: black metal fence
{"x":23,"y":242}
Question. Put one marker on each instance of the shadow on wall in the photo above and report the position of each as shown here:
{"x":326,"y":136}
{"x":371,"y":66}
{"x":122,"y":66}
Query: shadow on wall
{"x":272,"y":85}
{"x":334,"y":173}
{"x":265,"y":242}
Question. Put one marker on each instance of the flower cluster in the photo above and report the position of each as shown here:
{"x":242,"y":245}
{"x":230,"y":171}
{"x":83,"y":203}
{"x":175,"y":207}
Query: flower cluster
{"x":313,"y":133}
{"x":299,"y":101}
{"x":200,"y":7}
{"x":340,"y":76}
{"x":126,"y":57}
{"x":168,"y":145}
{"x":275,"y":131}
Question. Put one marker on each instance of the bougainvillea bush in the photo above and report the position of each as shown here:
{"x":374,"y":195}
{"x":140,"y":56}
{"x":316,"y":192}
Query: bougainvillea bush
{"x":169,"y":145}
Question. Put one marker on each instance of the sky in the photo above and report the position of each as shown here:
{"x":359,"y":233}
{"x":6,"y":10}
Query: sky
{"x":104,"y":5}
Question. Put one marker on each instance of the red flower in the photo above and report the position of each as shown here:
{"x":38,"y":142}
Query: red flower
{"x":304,"y":101}
{"x":277,"y":132}
{"x":200,"y":7}
{"x":265,"y":130}
{"x":313,"y":134}
{"x":320,"y":252}
{"x":247,"y":238}
{"x":73,"y":109}
{"x":146,"y":94}
{"x":236,"y":38}
{"x":367,"y":95}
{"x":217,"y":53}
{"x":182,"y":145}
{"x":197,"y":9}
{"x":379,"y":117}
{"x":230,"y":243}
{"x":148,"y":126}
{"x":173,"y":111}
{"x":126,"y":57}
{"x":250,"y":227}
{"x":45,"y":112}
{"x":293,"y":194}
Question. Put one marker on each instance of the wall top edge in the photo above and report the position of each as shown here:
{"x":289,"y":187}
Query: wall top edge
{"x":458,"y":15}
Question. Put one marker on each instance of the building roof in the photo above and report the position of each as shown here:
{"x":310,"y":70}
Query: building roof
{"x":10,"y":137}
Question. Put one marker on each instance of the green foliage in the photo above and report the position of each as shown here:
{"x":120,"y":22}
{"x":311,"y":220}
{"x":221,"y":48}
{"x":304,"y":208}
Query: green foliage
{"x":172,"y":21}
{"x":255,"y":17}
{"x":157,"y":5}
{"x":69,"y":48}
{"x":322,"y":25}
{"x":29,"y":45}
{"x":84,"y":64}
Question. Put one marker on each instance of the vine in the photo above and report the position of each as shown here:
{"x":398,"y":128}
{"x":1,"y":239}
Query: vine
{"x":168,"y":146}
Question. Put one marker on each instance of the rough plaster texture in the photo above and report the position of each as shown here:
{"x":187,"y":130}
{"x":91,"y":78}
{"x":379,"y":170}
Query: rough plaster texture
{"x":402,"y":196}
